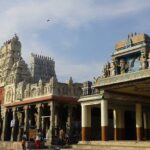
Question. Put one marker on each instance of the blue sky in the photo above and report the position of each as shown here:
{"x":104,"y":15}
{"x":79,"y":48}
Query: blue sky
{"x":80,"y":35}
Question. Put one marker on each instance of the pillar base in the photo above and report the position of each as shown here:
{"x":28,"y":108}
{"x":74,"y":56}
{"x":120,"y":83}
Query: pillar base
{"x":119,"y":134}
{"x":86,"y":133}
{"x":138,"y":133}
{"x":104,"y":133}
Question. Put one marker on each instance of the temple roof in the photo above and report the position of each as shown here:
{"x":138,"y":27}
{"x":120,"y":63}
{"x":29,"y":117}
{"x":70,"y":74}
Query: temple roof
{"x":135,"y":39}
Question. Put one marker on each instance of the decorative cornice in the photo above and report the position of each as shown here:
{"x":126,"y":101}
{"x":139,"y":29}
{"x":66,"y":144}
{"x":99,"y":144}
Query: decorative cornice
{"x":90,"y":98}
{"x":127,"y":77}
{"x":61,"y":99}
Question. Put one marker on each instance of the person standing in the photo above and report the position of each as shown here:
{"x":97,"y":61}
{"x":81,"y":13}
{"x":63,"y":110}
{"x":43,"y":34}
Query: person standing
{"x":38,"y":140}
{"x":61,"y":137}
{"x":24,"y":138}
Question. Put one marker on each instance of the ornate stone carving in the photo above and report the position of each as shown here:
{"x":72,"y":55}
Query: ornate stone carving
{"x":148,"y":60}
{"x":143,"y":60}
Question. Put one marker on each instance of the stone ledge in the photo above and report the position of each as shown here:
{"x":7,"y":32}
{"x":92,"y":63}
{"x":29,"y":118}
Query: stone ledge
{"x":138,"y":75}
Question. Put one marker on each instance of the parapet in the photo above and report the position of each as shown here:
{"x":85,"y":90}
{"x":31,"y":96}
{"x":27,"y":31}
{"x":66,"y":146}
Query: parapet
{"x":134,"y":39}
{"x":41,"y":57}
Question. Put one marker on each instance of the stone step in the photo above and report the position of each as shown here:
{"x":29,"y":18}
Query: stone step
{"x":130,"y":145}
{"x":110,"y":148}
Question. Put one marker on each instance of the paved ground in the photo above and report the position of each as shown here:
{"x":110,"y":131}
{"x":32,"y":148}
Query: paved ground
{"x":55,"y":148}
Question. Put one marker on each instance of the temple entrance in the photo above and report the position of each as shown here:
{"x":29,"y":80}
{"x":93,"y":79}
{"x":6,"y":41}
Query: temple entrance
{"x":110,"y":125}
{"x":75,"y":129}
{"x":63,"y":112}
{"x":95,"y":124}
{"x":8,"y":125}
{"x":130,"y":125}
{"x":32,"y":117}
{"x":45,"y":118}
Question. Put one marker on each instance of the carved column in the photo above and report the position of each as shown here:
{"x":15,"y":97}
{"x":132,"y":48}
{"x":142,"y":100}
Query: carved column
{"x":56,"y":121}
{"x":42,"y":124}
{"x":52,"y":121}
{"x":38,"y":121}
{"x":5,"y":115}
{"x":139,"y":122}
{"x":145,"y":124}
{"x":13,"y":123}
{"x":19,"y":116}
{"x":104,"y":120}
{"x":69,"y":120}
{"x":26,"y":119}
{"x":148,"y":60}
{"x":86,"y":123}
{"x":118,"y":116}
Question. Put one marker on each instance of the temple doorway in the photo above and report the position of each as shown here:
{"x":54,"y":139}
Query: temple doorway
{"x":110,"y":125}
{"x":45,"y":120}
{"x":95,"y":124}
{"x":8,"y":125}
{"x":63,"y":112}
{"x":130,"y":125}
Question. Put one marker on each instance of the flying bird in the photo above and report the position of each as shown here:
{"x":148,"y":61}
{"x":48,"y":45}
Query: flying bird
{"x":48,"y":20}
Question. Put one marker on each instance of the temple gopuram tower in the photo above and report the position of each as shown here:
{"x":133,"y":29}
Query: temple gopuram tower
{"x":12,"y":67}
{"x":41,"y":67}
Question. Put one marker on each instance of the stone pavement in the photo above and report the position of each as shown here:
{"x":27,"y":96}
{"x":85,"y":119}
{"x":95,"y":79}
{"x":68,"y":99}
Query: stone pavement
{"x":113,"y":145}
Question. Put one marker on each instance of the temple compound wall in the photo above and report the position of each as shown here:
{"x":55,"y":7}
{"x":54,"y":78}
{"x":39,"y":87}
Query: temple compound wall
{"x":116,"y":105}
{"x":32,"y":98}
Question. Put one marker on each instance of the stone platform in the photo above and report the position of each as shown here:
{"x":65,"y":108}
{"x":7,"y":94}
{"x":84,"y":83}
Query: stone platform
{"x":92,"y":145}
{"x":112,"y":145}
{"x":7,"y":145}
{"x":10,"y":145}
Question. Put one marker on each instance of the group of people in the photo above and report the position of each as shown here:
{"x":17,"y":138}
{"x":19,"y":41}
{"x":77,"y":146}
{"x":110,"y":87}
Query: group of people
{"x":63,"y":138}
{"x":38,"y":140}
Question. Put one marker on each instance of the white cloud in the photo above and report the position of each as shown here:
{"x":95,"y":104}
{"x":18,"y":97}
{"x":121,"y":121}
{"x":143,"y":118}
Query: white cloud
{"x":29,"y":17}
{"x":79,"y":72}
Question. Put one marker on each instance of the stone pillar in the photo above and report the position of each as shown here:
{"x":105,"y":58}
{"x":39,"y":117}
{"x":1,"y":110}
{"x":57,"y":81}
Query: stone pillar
{"x":14,"y":123}
{"x":38,"y":121}
{"x":56,"y":121}
{"x":69,"y":120}
{"x":5,"y":115}
{"x":19,"y":116}
{"x":26,"y":119}
{"x":145,"y":124}
{"x":118,"y":124}
{"x":86,"y":123}
{"x":42,"y":124}
{"x":104,"y":120}
{"x":52,"y":121}
{"x":138,"y":122}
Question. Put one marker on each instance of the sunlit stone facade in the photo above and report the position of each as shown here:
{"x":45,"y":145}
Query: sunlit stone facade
{"x":32,"y":98}
{"x":116,"y":105}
